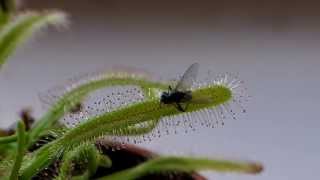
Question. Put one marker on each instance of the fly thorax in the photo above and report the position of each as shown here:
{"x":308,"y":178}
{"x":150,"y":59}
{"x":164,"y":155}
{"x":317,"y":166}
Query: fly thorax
{"x":165,"y":97}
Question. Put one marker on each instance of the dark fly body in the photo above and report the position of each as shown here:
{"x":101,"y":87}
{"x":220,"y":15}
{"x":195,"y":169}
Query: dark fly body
{"x":180,"y":96}
{"x":176,"y":97}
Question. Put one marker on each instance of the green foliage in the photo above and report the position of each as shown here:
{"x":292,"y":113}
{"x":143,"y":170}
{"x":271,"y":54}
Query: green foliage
{"x":113,"y":123}
{"x":118,"y":121}
{"x":87,"y":155}
{"x":22,"y":27}
{"x":8,"y":139}
{"x":22,"y":138}
{"x":76,"y":145}
{"x":180,"y":164}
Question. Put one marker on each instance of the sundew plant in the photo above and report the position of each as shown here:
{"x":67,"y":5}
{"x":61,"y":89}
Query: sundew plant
{"x":120,"y":107}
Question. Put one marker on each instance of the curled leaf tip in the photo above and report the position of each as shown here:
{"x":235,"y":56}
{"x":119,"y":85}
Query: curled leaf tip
{"x":23,"y":26}
{"x":255,"y":168}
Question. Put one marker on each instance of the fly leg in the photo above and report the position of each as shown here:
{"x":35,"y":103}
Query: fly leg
{"x":180,"y":107}
{"x":169,"y":89}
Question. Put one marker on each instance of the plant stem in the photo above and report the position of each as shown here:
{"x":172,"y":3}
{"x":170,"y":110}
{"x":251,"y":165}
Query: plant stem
{"x":181,"y":164}
{"x":8,"y":139}
{"x":20,"y":150}
{"x":43,"y":157}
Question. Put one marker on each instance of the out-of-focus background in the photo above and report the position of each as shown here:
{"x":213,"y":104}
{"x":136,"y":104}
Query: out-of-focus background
{"x":273,"y":44}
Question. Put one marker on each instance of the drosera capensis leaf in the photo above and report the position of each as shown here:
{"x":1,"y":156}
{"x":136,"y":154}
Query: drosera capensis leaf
{"x":53,"y":95}
{"x":116,"y":122}
{"x":77,"y":93}
{"x":22,"y":138}
{"x":184,"y":164}
{"x":104,"y":100}
{"x":147,"y":129}
{"x":8,"y":139}
{"x":23,"y":26}
{"x":110,"y":123}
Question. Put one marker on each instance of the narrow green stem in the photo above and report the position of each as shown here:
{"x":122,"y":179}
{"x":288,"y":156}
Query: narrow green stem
{"x":42,"y":158}
{"x":20,"y":150}
{"x":180,"y":164}
{"x":8,"y":139}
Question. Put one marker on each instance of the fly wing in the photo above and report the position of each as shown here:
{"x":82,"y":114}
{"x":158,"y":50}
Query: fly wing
{"x":188,"y":78}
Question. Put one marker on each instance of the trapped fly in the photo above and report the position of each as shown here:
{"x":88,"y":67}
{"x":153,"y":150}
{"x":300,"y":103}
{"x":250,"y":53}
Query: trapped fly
{"x":181,"y":95}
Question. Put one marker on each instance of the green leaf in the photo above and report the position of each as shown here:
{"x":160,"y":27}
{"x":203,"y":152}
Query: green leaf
{"x":112,"y":123}
{"x":85,"y":154}
{"x":180,"y":164}
{"x":43,"y":158}
{"x":67,"y":101}
{"x":22,"y":138}
{"x":22,"y":27}
{"x":8,"y":139}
